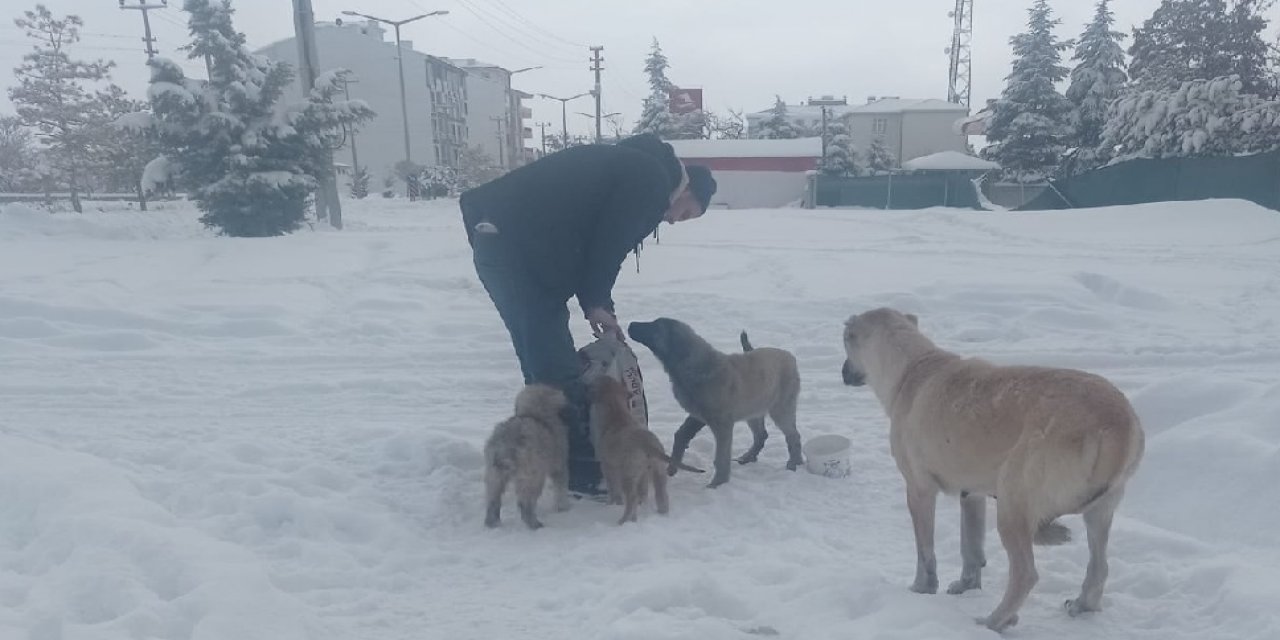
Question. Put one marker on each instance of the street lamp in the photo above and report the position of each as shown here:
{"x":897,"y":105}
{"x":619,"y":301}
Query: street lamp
{"x":564,"y":113}
{"x":404,"y":108}
{"x":525,"y":69}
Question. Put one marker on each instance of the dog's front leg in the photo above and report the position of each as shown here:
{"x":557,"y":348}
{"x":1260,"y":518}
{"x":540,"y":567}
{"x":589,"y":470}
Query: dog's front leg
{"x":684,"y":435}
{"x":724,"y":453}
{"x":973,"y":530}
{"x":922,"y":503}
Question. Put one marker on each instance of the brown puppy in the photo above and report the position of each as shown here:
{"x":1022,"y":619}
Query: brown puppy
{"x":630,"y":457}
{"x":528,"y":447}
{"x":719,"y":390}
{"x":1045,"y":442}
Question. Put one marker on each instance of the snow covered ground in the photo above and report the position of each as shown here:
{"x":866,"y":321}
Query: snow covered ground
{"x":279,"y":439}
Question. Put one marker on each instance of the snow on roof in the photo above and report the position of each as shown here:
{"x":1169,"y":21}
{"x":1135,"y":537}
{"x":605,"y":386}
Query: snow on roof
{"x":883,"y":105}
{"x":949,"y":161}
{"x":748,"y":148}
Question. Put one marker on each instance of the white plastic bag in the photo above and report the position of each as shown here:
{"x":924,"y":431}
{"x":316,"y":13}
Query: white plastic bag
{"x":612,"y":357}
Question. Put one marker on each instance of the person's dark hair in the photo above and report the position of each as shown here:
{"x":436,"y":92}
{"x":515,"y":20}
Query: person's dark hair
{"x":701,"y":183}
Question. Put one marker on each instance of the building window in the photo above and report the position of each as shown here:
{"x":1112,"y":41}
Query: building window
{"x":880,"y":125}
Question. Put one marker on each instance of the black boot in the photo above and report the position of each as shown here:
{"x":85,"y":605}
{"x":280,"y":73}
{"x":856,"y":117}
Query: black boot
{"x":585,"y":477}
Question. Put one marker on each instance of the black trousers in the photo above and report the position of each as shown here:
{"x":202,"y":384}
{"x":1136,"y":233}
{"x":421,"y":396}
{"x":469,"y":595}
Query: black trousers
{"x":538,"y":322}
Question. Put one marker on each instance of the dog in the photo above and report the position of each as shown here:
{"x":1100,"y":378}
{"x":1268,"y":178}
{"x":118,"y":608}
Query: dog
{"x":529,"y":447}
{"x":1044,"y":442}
{"x":720,"y":390}
{"x":631,"y":456}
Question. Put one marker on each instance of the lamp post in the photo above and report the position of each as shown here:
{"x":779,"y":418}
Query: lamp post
{"x":564,"y":114}
{"x":404,"y":107}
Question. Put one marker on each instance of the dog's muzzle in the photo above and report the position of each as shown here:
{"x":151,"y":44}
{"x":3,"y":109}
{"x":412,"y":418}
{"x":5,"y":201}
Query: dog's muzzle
{"x":639,"y":331}
{"x":851,"y":377}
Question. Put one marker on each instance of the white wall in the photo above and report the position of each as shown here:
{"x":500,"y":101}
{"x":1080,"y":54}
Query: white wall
{"x":928,"y":132}
{"x":756,"y":189}
{"x":487,"y":99}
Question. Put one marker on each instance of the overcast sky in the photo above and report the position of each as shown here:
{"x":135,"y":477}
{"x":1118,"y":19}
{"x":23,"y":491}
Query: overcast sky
{"x":741,"y":52}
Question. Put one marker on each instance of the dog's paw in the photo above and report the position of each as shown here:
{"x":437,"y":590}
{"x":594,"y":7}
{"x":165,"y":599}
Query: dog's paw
{"x":792,"y":465}
{"x":998,"y":625}
{"x":672,"y":470}
{"x":492,"y":523}
{"x":1077,"y":607}
{"x":746,"y":459}
{"x":962,"y":585}
{"x":928,"y":587}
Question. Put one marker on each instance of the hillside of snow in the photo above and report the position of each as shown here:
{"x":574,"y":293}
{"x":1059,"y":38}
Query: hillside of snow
{"x":279,"y":439}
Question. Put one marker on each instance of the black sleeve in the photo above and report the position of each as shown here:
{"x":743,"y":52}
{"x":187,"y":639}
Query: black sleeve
{"x":632,"y":211}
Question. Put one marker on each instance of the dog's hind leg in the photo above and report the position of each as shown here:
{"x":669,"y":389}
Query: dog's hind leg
{"x":973,"y":529}
{"x":1097,"y":521}
{"x":560,"y":484}
{"x":495,"y":482}
{"x":1017,"y":528}
{"x":631,"y":500}
{"x":922,"y":502}
{"x":784,"y":415}
{"x":758,"y":436}
{"x":684,"y":435}
{"x":528,"y":489}
{"x":660,"y":497}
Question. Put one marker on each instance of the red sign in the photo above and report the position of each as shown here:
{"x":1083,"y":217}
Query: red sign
{"x":685,"y":100}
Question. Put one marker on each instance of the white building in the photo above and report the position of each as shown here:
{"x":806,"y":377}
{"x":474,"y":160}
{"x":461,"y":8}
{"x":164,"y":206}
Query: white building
{"x":754,"y":173}
{"x":449,"y":102}
{"x":496,"y":115}
{"x":910,"y":128}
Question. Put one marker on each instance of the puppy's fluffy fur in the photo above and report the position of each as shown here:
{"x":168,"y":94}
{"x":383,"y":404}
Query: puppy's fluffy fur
{"x":529,"y":447}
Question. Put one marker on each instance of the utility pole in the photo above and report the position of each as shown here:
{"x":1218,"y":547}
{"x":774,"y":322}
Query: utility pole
{"x":502,"y":158}
{"x":596,"y":60}
{"x":543,"y":127}
{"x":825,"y":114}
{"x":351,"y":133}
{"x":143,"y":8}
{"x":404,"y":105}
{"x":328,"y":206}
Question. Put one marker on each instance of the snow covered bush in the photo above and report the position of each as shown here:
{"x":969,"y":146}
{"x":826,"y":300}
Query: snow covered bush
{"x":841,"y":158}
{"x":360,"y":183}
{"x":1200,"y":118}
{"x":250,"y":162}
{"x":879,"y":160}
{"x":778,"y":126}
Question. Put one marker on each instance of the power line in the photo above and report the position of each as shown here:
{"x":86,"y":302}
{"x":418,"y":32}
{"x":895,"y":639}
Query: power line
{"x":537,"y":39}
{"x":489,"y":23}
{"x":507,"y":8}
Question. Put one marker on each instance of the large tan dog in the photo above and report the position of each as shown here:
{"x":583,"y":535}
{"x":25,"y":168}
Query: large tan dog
{"x":1044,"y":442}
{"x":720,"y":390}
{"x":528,"y":447}
{"x":631,"y":457}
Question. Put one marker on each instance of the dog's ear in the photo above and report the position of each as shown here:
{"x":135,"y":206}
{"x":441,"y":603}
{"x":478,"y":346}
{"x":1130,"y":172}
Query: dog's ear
{"x":913,"y":319}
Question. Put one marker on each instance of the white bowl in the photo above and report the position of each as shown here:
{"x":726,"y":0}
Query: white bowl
{"x":828,"y":456}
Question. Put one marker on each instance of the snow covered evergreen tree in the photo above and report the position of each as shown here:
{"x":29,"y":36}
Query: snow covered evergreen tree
{"x":360,"y":182}
{"x":879,"y":160}
{"x":475,"y":167}
{"x":730,"y":127}
{"x":656,"y":116}
{"x":1030,"y":128}
{"x":120,"y":144}
{"x":778,"y":126}
{"x":841,"y":158}
{"x":17,"y":155}
{"x":251,"y":163}
{"x":1203,"y":39}
{"x":1200,"y":118}
{"x":50,"y":93}
{"x":1097,"y":80}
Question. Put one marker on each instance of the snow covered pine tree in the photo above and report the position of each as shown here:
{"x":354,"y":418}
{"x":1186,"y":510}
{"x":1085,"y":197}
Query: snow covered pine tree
{"x":778,"y":126}
{"x":1030,"y":130}
{"x":251,"y":163}
{"x":1188,"y":40}
{"x":841,"y":158}
{"x":1097,"y":80}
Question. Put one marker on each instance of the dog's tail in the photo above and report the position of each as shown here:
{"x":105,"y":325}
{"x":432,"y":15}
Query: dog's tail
{"x":746,"y":343}
{"x":1052,"y":533}
{"x":649,"y":442}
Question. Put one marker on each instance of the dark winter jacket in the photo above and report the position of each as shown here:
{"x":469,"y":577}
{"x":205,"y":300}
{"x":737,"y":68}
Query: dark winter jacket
{"x":573,"y":216}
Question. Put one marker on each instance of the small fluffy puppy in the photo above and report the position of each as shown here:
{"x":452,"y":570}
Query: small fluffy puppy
{"x":528,"y":447}
{"x":631,"y":457}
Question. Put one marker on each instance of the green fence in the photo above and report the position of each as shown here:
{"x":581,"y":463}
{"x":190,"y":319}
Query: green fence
{"x":900,"y":191}
{"x":1255,"y":178}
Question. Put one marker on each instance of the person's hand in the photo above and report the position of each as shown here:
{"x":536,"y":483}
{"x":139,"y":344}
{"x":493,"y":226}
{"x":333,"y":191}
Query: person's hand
{"x":603,"y":321}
